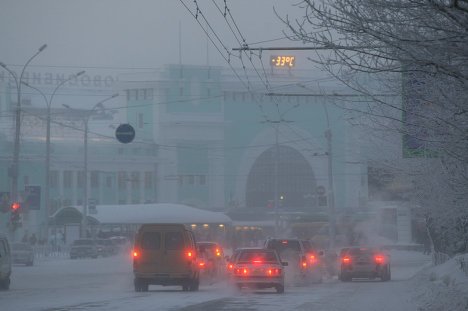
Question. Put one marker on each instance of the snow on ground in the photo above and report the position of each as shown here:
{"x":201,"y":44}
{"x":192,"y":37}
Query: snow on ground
{"x":444,"y":287}
{"x":106,"y":284}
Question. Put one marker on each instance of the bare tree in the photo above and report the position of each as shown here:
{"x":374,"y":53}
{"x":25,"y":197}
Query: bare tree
{"x":419,"y":50}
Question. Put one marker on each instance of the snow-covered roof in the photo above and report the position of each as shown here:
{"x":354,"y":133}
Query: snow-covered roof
{"x":156,"y":213}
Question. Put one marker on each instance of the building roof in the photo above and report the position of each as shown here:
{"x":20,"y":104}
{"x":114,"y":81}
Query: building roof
{"x":154,"y":213}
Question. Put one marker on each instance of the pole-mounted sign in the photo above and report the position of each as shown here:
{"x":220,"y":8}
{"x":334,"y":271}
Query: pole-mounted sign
{"x":125,"y":133}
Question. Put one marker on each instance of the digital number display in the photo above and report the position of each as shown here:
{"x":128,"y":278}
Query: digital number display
{"x":287,"y":61}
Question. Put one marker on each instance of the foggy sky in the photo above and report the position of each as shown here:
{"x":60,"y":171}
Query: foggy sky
{"x":127,"y":33}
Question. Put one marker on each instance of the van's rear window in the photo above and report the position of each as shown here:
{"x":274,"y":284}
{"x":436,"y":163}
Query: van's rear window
{"x":174,"y":240}
{"x":151,"y":240}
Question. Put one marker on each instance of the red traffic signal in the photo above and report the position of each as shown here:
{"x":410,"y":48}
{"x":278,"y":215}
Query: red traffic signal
{"x":15,"y":206}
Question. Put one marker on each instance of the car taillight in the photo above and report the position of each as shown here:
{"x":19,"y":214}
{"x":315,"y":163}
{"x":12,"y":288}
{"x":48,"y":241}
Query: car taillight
{"x":230,"y":266}
{"x":190,"y":254}
{"x":304,"y":264}
{"x":273,"y":272}
{"x":312,"y":259}
{"x":379,"y":259}
{"x":136,"y":254}
{"x":201,"y":264}
{"x":257,"y":261}
{"x":241,"y":271}
{"x":346,"y":260}
{"x":218,"y":252}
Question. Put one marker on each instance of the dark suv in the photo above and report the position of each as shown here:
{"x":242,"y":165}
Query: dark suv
{"x":300,"y":255}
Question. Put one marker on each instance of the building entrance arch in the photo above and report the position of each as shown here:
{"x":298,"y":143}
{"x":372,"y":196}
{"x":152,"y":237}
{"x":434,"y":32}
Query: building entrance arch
{"x":296,"y":180}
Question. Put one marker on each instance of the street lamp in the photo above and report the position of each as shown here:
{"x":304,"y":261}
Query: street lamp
{"x":16,"y":148}
{"x":86,"y":118}
{"x":48,"y":105}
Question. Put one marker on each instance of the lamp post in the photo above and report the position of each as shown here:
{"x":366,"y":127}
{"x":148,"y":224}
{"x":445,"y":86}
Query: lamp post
{"x":16,"y":148}
{"x":47,"y":169}
{"x":86,"y":118}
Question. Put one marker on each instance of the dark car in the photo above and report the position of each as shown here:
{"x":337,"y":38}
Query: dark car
{"x":303,"y":260}
{"x":84,"y":248}
{"x":106,"y":247}
{"x":22,"y":253}
{"x":258,"y":268}
{"x":359,"y":262}
{"x":212,"y":255}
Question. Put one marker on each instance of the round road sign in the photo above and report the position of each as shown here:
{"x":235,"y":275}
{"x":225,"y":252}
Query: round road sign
{"x":125,"y":133}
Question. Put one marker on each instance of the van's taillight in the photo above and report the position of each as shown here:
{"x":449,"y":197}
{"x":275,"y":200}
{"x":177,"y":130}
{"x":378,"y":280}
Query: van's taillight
{"x":136,"y":254}
{"x":312,"y":259}
{"x":346,"y":260}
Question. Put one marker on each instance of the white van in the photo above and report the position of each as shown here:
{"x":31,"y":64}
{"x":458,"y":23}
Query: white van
{"x":5,"y":263}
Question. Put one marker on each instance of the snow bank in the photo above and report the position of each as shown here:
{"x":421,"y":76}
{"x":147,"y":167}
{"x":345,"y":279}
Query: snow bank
{"x":443,"y":287}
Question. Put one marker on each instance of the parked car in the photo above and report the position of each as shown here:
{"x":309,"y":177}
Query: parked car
{"x":84,"y":248}
{"x":258,"y":268}
{"x":360,"y":262}
{"x":165,"y":254}
{"x":303,"y":262}
{"x":5,"y":263}
{"x":22,"y":253}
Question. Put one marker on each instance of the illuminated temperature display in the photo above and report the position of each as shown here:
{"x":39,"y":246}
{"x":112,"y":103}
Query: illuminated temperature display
{"x":283,"y":61}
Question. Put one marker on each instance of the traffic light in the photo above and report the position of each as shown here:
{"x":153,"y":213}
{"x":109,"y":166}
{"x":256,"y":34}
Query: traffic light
{"x":15,"y":215}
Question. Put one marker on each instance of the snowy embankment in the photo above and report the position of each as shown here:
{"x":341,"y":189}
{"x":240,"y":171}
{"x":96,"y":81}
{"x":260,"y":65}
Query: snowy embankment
{"x":443,"y":287}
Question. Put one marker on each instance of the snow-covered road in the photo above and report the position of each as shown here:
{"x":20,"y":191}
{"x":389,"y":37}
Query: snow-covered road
{"x":106,"y":284}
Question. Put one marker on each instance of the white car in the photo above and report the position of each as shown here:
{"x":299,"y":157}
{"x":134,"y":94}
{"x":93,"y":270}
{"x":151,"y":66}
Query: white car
{"x":258,"y":268}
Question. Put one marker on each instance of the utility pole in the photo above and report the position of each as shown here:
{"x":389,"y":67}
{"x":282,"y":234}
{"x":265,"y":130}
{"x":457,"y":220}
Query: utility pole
{"x":48,"y":102}
{"x":276,"y":124}
{"x":330,"y":195}
{"x":88,"y":114}
{"x":16,"y":148}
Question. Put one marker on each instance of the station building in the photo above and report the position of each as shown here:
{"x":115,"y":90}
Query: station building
{"x":205,"y":137}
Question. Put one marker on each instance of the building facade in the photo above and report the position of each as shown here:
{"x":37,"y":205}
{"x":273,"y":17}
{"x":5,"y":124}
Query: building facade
{"x":204,"y":138}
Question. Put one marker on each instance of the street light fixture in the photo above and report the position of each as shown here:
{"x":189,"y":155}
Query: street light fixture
{"x":16,"y":148}
{"x":86,"y":118}
{"x":48,"y":105}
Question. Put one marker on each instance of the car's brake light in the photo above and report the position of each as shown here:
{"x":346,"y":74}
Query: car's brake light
{"x":257,"y":261}
{"x":379,"y":259}
{"x":201,"y":264}
{"x":218,"y":252}
{"x":312,"y":259}
{"x":346,"y":260}
{"x":136,"y":254}
{"x":190,"y":254}
{"x":241,"y":271}
{"x":230,"y":266}
{"x":304,"y":264}
{"x":273,"y":272}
